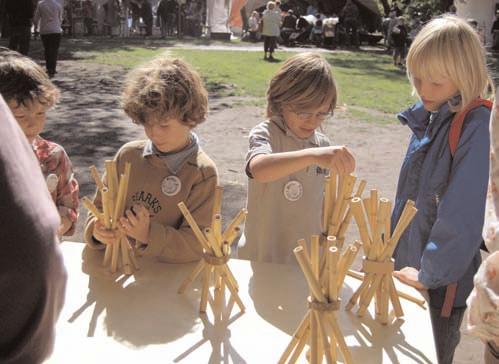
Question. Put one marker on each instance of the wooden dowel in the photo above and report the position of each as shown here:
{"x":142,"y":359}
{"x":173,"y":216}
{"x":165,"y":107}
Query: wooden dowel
{"x":131,"y":253}
{"x":298,"y":334}
{"x":303,"y":244}
{"x":205,"y":288}
{"x":217,"y":201}
{"x":230,"y":276}
{"x":232,"y":235}
{"x":419,"y":302}
{"x":241,"y":215}
{"x":299,"y":347}
{"x":194,"y":226}
{"x":385,"y":209}
{"x":192,"y":276}
{"x":315,"y":255}
{"x":120,"y":201}
{"x":216,"y":226}
{"x":348,"y":218}
{"x":366,"y":300}
{"x":89,"y":205}
{"x":115,"y":256}
{"x":406,"y":218}
{"x":358,"y":214}
{"x":125,"y":258}
{"x":323,"y":335}
{"x":111,"y":178}
{"x":352,"y":253}
{"x":359,"y":292}
{"x":331,"y":320}
{"x":215,"y":246}
{"x":309,"y":275}
{"x":332,"y":262}
{"x":385,"y":296}
{"x":330,"y":241}
{"x":314,"y":340}
{"x":235,"y":295}
{"x":327,"y":203}
{"x":96,"y":178}
{"x":394,"y":297}
{"x":347,"y":196}
{"x":107,"y":222}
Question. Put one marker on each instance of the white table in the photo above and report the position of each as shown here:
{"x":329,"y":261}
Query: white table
{"x":141,"y":319}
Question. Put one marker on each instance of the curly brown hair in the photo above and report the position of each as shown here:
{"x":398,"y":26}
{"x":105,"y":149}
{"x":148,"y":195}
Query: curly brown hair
{"x":165,"y":87}
{"x":23,"y":81}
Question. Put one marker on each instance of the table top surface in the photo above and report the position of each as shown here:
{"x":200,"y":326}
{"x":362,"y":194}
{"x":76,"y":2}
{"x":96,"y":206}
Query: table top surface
{"x":142,"y":319}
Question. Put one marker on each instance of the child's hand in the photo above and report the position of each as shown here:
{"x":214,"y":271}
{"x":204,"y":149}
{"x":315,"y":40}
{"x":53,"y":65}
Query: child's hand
{"x":137,"y":223}
{"x":409,"y":276}
{"x":338,"y":159}
{"x":106,"y":236}
{"x":66,"y":224}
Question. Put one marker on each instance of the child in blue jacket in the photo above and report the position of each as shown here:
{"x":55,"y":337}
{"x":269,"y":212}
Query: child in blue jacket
{"x":446,"y":67}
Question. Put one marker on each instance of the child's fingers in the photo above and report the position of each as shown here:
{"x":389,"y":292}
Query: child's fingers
{"x":125,"y":224}
{"x":131,"y":217}
{"x":142,"y":211}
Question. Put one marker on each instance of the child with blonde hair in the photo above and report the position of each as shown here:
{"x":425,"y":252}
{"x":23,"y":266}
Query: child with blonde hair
{"x":30,"y":94}
{"x":445,"y":172}
{"x":288,"y":158}
{"x":167,"y":97}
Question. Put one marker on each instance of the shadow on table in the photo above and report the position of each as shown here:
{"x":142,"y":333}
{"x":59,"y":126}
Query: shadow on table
{"x":281,"y":300}
{"x":141,"y":309}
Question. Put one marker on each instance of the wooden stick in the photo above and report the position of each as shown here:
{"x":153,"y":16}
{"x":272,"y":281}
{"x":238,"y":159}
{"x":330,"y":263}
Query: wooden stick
{"x":303,"y":244}
{"x":332,"y":262}
{"x":214,"y":244}
{"x":131,"y":253}
{"x":327,"y":203}
{"x":401,"y":294}
{"x":235,"y":295}
{"x":385,"y":296}
{"x":342,"y":269}
{"x":196,"y":271}
{"x":89,"y":205}
{"x":404,"y":221}
{"x":330,"y":319}
{"x":97,"y":179}
{"x":364,"y":301}
{"x":346,"y":222}
{"x":315,"y":255}
{"x":394,"y":297}
{"x":323,"y":335}
{"x":241,"y":215}
{"x":217,"y":201}
{"x":309,"y":275}
{"x":205,"y":288}
{"x":107,"y":222}
{"x":112,"y":178}
{"x":314,"y":340}
{"x":120,"y":201}
{"x":115,"y":256}
{"x":358,"y":214}
{"x":216,"y":226}
{"x":232,"y":235}
{"x":125,"y":258}
{"x":298,"y":334}
{"x":299,"y":347}
{"x":194,"y":226}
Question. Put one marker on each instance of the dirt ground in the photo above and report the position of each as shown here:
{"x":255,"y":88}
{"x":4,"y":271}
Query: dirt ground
{"x":90,"y":125}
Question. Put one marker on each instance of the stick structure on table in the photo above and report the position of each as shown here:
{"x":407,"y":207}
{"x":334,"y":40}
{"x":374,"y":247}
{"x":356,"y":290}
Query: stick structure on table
{"x":216,"y":254}
{"x":319,"y":328}
{"x":336,"y":214}
{"x":113,"y":196}
{"x":372,"y":216}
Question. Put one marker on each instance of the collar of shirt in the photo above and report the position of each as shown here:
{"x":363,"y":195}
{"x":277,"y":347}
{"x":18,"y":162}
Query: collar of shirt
{"x":313,"y":140}
{"x":173,"y":160}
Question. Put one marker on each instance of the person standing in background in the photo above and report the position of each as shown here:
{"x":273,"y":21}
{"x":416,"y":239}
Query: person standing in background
{"x":19,"y":14}
{"x":48,"y":16}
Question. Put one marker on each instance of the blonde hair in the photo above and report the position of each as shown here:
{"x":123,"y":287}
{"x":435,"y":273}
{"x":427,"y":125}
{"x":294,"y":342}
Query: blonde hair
{"x":449,"y":47}
{"x":23,"y":80}
{"x":270,"y":5}
{"x":162,"y":88}
{"x":305,"y":81}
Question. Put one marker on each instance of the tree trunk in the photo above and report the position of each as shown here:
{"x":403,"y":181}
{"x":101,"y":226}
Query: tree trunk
{"x":386,"y":7}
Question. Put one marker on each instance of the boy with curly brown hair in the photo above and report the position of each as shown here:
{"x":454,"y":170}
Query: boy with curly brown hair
{"x":167,"y":97}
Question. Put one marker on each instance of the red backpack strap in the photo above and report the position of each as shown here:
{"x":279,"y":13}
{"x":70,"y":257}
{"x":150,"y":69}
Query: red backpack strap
{"x":456,"y":125}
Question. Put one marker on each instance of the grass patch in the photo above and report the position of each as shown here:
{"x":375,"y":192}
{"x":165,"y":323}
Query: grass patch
{"x":365,"y":80}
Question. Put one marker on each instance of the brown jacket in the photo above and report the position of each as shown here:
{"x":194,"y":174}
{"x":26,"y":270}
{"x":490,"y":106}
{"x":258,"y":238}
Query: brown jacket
{"x":171,"y":239}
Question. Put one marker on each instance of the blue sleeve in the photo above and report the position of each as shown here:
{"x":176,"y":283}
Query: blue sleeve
{"x":456,"y":234}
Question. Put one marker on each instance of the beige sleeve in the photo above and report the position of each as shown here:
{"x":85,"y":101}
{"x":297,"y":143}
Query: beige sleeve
{"x":179,"y":245}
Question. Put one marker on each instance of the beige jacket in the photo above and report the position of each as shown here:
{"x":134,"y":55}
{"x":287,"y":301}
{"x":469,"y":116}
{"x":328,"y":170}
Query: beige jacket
{"x":171,"y":238}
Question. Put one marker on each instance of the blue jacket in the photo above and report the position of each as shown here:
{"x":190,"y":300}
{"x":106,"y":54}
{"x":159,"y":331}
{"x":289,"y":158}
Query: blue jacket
{"x":443,"y":240}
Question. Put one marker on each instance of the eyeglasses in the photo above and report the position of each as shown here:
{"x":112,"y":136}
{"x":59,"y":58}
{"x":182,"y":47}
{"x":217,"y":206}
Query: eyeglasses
{"x":321,"y":116}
